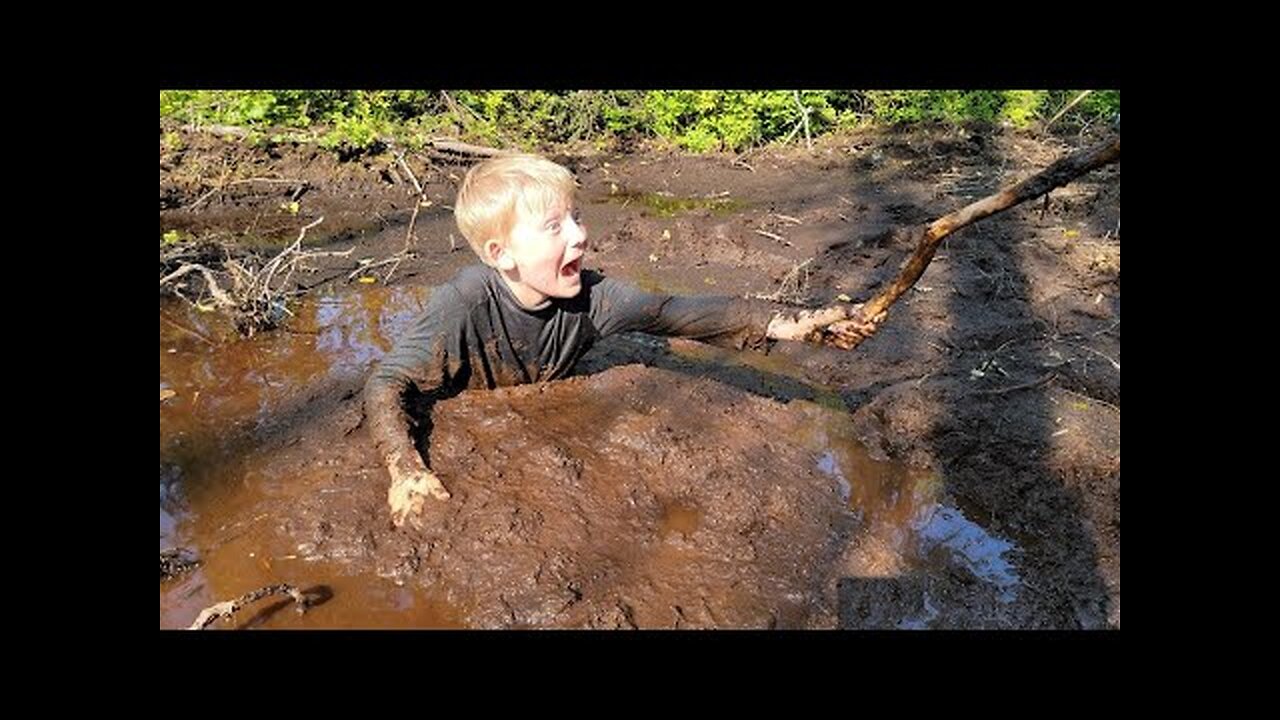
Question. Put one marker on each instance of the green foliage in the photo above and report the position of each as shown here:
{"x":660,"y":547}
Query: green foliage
{"x":696,"y":120}
{"x":1021,"y":107}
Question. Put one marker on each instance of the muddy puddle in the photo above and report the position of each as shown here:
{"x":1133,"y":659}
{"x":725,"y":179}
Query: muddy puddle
{"x":633,"y":497}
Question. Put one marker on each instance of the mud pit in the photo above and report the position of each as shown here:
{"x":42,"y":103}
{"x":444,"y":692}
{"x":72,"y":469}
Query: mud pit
{"x":961,"y":469}
{"x":634,"y":498}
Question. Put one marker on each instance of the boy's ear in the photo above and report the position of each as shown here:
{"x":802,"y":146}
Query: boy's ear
{"x":498,"y":256}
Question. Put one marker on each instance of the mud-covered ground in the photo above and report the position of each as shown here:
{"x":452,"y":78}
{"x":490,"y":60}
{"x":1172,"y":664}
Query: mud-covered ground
{"x":959,"y":469}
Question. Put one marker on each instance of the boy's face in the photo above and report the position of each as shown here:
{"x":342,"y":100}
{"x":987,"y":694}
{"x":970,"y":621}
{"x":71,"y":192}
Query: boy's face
{"x":547,"y":251}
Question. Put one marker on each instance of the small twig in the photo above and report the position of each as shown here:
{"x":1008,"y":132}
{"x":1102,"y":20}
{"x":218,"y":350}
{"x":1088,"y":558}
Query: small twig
{"x":791,"y":134}
{"x":1067,"y":107}
{"x":804,"y":116}
{"x":1024,"y":386}
{"x":792,"y":286}
{"x":416,"y":185}
{"x":275,"y":262}
{"x":219,"y":295}
{"x":1107,"y":330}
{"x":397,"y":259}
{"x":1104,"y":356}
{"x":788,"y":218}
{"x":417,"y":207}
{"x":774,"y":236}
{"x":229,"y":607}
{"x":387,"y":278}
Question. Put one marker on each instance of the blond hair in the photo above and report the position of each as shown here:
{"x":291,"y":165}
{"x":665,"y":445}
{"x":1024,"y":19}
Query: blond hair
{"x":495,"y":190}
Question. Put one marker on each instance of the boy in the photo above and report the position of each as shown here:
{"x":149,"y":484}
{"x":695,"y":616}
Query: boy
{"x":530,"y":311}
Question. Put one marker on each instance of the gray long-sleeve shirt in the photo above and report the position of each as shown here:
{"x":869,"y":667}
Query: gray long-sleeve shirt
{"x":474,"y":333}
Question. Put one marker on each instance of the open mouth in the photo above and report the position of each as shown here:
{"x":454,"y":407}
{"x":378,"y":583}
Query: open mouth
{"x":572,"y":268}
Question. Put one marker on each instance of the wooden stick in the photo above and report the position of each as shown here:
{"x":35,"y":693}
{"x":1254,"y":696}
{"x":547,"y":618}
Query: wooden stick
{"x":224,"y":609}
{"x":930,"y":237}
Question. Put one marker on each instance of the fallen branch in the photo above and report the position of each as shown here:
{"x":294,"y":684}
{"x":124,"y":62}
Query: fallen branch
{"x":220,"y":130}
{"x":397,"y":259}
{"x":229,"y":607}
{"x":219,"y":295}
{"x":930,"y":237}
{"x":256,"y":298}
{"x":222,"y":187}
{"x":462,"y":148}
{"x":405,"y":166}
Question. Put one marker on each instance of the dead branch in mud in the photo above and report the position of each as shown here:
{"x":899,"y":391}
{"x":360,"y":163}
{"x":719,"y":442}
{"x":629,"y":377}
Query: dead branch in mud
{"x":409,"y":171}
{"x":417,"y":207}
{"x":229,"y":607}
{"x":461,"y":148}
{"x":256,"y":298}
{"x":223,"y":186}
{"x":219,"y":130}
{"x":930,"y":236}
{"x":441,"y":144}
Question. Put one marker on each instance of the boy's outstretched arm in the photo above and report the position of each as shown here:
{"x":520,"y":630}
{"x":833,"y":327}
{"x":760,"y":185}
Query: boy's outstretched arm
{"x":728,"y":321}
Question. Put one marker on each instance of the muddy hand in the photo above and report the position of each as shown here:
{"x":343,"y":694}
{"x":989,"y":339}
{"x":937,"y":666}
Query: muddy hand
{"x":804,"y":324}
{"x":846,"y":334}
{"x":408,"y":495}
{"x":838,"y":325}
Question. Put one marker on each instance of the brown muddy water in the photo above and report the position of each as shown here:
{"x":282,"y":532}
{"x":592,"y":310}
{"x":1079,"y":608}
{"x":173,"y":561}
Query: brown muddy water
{"x":631,"y":498}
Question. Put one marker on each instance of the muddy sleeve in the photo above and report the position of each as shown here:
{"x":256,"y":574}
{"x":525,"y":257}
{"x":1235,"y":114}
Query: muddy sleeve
{"x":720,"y":320}
{"x":428,"y":358}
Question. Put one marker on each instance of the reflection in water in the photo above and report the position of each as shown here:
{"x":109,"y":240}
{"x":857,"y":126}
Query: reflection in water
{"x":213,"y":483}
